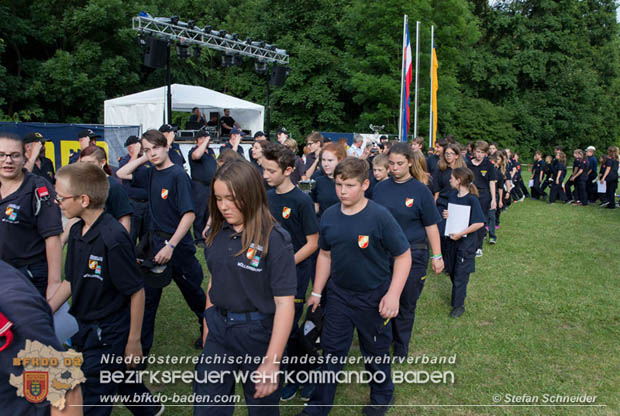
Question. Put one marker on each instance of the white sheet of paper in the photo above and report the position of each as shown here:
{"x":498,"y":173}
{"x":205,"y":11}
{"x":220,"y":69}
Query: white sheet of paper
{"x":65,"y":324}
{"x":601,"y":188}
{"x":530,"y":184}
{"x":458,"y":218}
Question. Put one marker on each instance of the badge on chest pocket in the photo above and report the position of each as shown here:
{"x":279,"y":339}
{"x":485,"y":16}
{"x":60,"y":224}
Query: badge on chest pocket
{"x":408,"y":202}
{"x":363,"y":241}
{"x":253,"y":254}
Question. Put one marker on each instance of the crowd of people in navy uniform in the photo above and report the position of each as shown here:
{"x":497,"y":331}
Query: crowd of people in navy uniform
{"x":359,"y":238}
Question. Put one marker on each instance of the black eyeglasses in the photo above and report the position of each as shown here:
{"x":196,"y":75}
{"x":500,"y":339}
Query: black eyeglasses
{"x":12,"y":156}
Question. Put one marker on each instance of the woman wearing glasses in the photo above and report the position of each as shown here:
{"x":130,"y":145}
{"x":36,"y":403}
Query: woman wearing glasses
{"x":30,"y":223}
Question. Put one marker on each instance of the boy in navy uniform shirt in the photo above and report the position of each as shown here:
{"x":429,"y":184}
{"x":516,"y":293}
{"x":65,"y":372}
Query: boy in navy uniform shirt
{"x":202,"y":165}
{"x":174,"y":150}
{"x":26,"y":316}
{"x":30,"y":223}
{"x":357,"y":239}
{"x":136,"y":190}
{"x":172,"y":214}
{"x":581,"y":179}
{"x":103,"y":281}
{"x":294,"y":210}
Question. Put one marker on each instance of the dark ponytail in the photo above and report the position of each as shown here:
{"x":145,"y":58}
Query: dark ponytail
{"x":466,"y":178}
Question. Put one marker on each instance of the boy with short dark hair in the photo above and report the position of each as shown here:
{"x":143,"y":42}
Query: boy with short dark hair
{"x":357,"y":239}
{"x":104,"y":282}
{"x":294,"y":210}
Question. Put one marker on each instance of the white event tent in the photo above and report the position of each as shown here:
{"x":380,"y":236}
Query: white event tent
{"x":148,"y":108}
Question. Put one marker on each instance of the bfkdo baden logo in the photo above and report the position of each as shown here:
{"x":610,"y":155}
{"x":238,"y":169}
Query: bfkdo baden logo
{"x":36,"y":384}
{"x":47,"y":374}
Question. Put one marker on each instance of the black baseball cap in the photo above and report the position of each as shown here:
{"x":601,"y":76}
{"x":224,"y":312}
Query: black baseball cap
{"x":283,"y":130}
{"x":203,"y":132}
{"x":165,"y":128}
{"x":237,"y":130}
{"x":33,"y":137}
{"x":132,"y":140}
{"x":87,"y":133}
{"x":258,"y":134}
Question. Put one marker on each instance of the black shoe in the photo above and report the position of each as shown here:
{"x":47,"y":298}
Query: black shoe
{"x":198,"y":343}
{"x":375,"y":410}
{"x":458,"y":311}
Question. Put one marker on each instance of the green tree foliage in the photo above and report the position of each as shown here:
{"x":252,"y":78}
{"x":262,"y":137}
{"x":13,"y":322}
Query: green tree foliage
{"x":525,"y":73}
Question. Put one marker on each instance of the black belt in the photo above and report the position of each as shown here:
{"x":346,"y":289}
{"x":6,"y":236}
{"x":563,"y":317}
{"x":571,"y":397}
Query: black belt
{"x":243,"y":316}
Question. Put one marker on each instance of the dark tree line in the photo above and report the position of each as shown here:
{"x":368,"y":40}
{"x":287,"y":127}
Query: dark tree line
{"x":526,"y":74}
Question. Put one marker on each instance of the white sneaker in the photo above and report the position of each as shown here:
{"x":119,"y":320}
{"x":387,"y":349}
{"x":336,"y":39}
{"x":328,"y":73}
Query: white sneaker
{"x":479,"y":252}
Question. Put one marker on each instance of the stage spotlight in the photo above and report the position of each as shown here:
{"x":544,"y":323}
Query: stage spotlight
{"x":235,"y":36}
{"x":261,"y":67}
{"x":227,"y":60}
{"x":174,"y":20}
{"x":207,"y":29}
{"x":237,"y":60}
{"x":191,"y":24}
{"x":196,"y":52}
{"x":182,"y":51}
{"x":248,"y":41}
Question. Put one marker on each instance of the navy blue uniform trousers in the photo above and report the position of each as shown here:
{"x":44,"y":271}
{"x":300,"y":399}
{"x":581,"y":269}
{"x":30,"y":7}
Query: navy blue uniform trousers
{"x":402,"y":325}
{"x":346,"y":310}
{"x":139,"y":220}
{"x":231,"y":338}
{"x":187,"y":274}
{"x":37,"y":274}
{"x":459,"y":259}
{"x":200,"y":197}
{"x":107,"y":337}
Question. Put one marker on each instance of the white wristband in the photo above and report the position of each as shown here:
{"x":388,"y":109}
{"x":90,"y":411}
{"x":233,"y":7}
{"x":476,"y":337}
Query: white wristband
{"x":315,"y":294}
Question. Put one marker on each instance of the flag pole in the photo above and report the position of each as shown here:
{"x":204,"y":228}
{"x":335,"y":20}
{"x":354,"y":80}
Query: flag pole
{"x":402,"y":81}
{"x":430,"y":121}
{"x":417,"y":64}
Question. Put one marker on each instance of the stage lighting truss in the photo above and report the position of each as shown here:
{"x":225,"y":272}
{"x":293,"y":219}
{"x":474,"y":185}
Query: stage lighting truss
{"x":174,"y":30}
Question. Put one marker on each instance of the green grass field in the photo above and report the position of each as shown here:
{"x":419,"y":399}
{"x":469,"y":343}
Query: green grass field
{"x":542,"y":318}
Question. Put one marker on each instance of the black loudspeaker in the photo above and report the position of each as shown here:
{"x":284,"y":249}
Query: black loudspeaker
{"x":278,"y":75}
{"x":156,"y":53}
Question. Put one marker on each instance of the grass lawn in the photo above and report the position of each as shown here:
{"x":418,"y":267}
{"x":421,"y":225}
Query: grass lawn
{"x":542,"y":318}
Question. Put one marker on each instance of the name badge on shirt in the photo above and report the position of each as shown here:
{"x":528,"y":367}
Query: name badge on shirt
{"x":362,"y":241}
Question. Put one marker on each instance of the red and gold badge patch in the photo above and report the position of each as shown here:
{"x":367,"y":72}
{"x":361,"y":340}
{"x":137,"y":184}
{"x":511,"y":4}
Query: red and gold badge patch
{"x":164,"y":194}
{"x":286,"y":212}
{"x":362,"y":241}
{"x":35,"y":386}
{"x":408,"y":202}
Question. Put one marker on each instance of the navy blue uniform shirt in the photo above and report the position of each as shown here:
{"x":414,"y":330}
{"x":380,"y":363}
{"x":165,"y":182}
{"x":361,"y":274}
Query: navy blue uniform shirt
{"x":324,"y":193}
{"x":584,"y":165}
{"x":203,"y":169}
{"x":484,"y":173}
{"x":22,"y":233}
{"x":117,"y":204}
{"x":538,"y":166}
{"x":46,"y":170}
{"x":559,"y":172}
{"x":101,"y":267}
{"x":170,"y":197}
{"x":249,"y":281}
{"x":576,"y":165}
{"x":613,"y":173}
{"x":294,"y":210}
{"x":137,"y":187}
{"x":74,"y":156}
{"x":441,"y":184}
{"x":501,"y":181}
{"x":412,"y":205}
{"x":32,"y":320}
{"x":593,"y":166}
{"x":174,"y":152}
{"x":361,"y":245}
{"x":431,"y":163}
{"x":475,"y":216}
